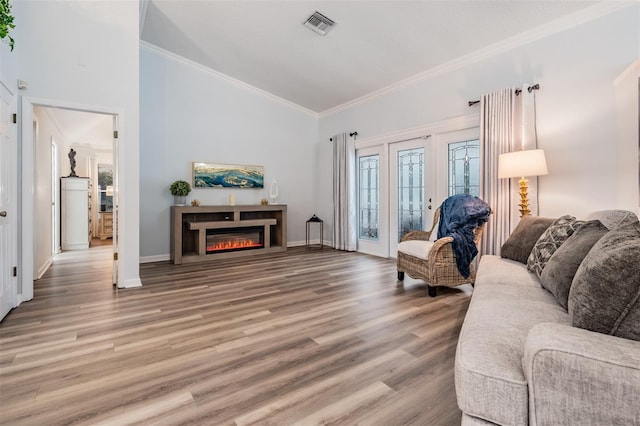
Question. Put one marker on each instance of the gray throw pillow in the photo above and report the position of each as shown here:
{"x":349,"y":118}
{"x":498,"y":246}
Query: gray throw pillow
{"x":524,"y":237}
{"x":558,"y":274}
{"x":605,"y":293}
{"x":552,"y":238}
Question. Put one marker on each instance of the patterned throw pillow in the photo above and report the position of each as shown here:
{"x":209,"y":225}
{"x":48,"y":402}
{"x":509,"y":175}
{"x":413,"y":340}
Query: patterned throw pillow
{"x":549,"y":241}
{"x":558,"y":274}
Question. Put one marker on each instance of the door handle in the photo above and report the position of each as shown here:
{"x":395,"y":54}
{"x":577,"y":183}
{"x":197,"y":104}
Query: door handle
{"x":3,"y":214}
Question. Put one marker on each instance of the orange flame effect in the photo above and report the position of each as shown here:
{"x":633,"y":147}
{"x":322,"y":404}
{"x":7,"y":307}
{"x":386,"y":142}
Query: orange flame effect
{"x":230,"y":245}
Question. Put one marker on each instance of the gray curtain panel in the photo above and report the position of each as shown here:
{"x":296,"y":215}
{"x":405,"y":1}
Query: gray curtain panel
{"x":344,"y":193}
{"x":507,"y":124}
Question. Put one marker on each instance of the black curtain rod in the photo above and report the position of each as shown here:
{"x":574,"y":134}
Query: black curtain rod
{"x":529,"y":89}
{"x":352,"y":134}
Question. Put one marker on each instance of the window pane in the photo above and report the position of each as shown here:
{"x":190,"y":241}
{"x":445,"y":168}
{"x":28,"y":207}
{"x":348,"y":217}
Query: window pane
{"x":410,"y":190}
{"x":105,"y":178}
{"x":464,"y":167}
{"x":368,"y":197}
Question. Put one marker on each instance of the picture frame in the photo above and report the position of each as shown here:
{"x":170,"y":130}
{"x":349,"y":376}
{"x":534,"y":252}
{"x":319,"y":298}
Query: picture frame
{"x":222,"y":175}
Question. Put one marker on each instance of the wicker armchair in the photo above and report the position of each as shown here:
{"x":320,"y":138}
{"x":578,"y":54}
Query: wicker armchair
{"x":432,"y":261}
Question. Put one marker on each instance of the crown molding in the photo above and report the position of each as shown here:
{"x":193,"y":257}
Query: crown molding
{"x":467,"y":121}
{"x":565,"y":23}
{"x":238,"y":83}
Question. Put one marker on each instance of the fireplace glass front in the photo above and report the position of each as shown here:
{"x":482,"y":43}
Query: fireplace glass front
{"x":233,"y":239}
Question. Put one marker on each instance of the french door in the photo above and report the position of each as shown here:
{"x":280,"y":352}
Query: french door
{"x":400,"y":184}
{"x":411,"y":187}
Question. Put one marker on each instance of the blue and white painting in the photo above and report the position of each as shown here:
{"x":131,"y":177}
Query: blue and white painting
{"x":215,"y":175}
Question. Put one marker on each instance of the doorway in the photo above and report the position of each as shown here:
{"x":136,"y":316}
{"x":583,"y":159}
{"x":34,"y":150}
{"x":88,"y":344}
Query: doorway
{"x":76,"y":185}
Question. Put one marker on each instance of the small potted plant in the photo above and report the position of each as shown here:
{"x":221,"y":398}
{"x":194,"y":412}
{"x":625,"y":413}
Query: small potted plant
{"x":180,"y":189}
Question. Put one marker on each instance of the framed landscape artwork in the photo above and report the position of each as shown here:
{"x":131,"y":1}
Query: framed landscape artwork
{"x":216,"y":175}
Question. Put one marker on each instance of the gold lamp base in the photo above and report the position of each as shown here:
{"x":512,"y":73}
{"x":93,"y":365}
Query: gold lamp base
{"x":524,"y":197}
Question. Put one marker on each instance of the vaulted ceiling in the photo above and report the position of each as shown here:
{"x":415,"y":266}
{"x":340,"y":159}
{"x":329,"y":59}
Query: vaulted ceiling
{"x":373,"y":45}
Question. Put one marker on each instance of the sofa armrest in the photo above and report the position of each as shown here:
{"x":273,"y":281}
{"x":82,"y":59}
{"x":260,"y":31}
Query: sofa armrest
{"x":576,"y":376}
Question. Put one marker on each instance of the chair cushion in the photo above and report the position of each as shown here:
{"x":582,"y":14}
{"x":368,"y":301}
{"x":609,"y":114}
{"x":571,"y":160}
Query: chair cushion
{"x":416,"y":248}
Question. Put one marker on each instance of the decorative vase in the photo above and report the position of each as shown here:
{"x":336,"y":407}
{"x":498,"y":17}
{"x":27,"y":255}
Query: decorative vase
{"x":179,"y":200}
{"x":273,"y":191}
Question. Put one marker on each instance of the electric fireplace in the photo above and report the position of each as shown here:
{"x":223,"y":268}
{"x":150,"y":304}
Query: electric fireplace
{"x":234,"y":239}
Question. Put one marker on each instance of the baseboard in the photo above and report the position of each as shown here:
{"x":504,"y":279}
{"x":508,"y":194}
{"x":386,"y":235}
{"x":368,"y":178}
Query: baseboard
{"x":311,"y":242}
{"x":156,"y":258}
{"x":42,"y":269}
{"x":131,"y":283}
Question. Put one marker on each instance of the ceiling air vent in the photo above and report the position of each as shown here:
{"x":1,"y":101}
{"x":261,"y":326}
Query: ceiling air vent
{"x":319,"y":23}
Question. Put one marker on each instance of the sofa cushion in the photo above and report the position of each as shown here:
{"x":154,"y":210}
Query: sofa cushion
{"x":415,"y":248}
{"x":558,"y":274}
{"x":605,"y":293}
{"x":613,"y":219}
{"x":552,"y":238}
{"x":507,"y":302}
{"x":524,"y":237}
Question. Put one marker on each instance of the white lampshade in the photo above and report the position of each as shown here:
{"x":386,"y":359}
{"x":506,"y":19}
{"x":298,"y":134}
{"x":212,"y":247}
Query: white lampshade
{"x":109,"y":191}
{"x":522,"y":163}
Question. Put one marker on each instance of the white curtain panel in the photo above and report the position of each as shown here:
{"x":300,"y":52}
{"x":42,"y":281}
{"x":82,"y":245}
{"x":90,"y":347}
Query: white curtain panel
{"x":497,"y":130}
{"x":344,"y":193}
{"x":507,"y":123}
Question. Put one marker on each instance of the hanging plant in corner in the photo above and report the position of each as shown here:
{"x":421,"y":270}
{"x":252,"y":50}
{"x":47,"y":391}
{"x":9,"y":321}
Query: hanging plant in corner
{"x":6,"y":23}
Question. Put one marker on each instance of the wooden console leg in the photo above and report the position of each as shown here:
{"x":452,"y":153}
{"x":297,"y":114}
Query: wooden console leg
{"x":400,"y":275}
{"x":432,"y":290}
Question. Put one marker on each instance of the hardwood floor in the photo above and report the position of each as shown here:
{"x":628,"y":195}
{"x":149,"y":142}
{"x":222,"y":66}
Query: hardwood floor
{"x":303,"y":337}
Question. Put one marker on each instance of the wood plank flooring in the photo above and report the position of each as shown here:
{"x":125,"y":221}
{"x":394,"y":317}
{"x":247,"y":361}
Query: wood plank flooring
{"x":304,"y":337}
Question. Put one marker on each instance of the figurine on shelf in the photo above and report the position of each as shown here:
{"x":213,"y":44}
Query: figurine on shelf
{"x":72,"y":161}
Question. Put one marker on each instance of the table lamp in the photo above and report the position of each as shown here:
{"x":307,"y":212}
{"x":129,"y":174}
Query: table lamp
{"x":520,"y":164}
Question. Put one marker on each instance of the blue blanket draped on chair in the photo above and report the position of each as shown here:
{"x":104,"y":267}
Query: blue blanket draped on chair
{"x":459,"y":216}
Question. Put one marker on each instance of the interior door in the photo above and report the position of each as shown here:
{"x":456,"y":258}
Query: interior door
{"x":8,"y":203}
{"x":411,"y":188}
{"x":116,"y":196}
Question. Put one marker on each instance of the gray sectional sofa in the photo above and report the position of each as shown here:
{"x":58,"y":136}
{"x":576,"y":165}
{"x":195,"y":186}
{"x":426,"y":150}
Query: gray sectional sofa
{"x":520,"y":360}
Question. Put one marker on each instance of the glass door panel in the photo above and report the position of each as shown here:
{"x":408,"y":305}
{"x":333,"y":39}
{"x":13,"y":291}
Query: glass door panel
{"x":369,"y":194}
{"x":410,"y":190}
{"x":373,"y":222}
{"x":410,"y":185}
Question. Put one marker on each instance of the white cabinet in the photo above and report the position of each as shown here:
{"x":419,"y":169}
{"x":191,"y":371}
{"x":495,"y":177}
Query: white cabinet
{"x":75,"y":210}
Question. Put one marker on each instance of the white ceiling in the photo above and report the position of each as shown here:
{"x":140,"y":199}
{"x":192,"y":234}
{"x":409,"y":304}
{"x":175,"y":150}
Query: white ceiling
{"x":373,"y":45}
{"x":82,"y":129}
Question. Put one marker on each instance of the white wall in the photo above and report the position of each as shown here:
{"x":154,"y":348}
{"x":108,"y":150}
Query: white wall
{"x":42,"y":191}
{"x":85,"y":54}
{"x":189,"y":114}
{"x":627,"y":91}
{"x":576,"y":122}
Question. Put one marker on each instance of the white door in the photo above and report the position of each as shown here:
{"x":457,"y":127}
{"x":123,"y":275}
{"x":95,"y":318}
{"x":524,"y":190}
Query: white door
{"x":116,"y":191}
{"x":411,"y":188}
{"x":8,"y":202}
{"x":373,"y":194}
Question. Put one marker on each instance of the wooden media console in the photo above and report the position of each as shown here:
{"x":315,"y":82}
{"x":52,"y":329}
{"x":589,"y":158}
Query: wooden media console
{"x":193,"y":228}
